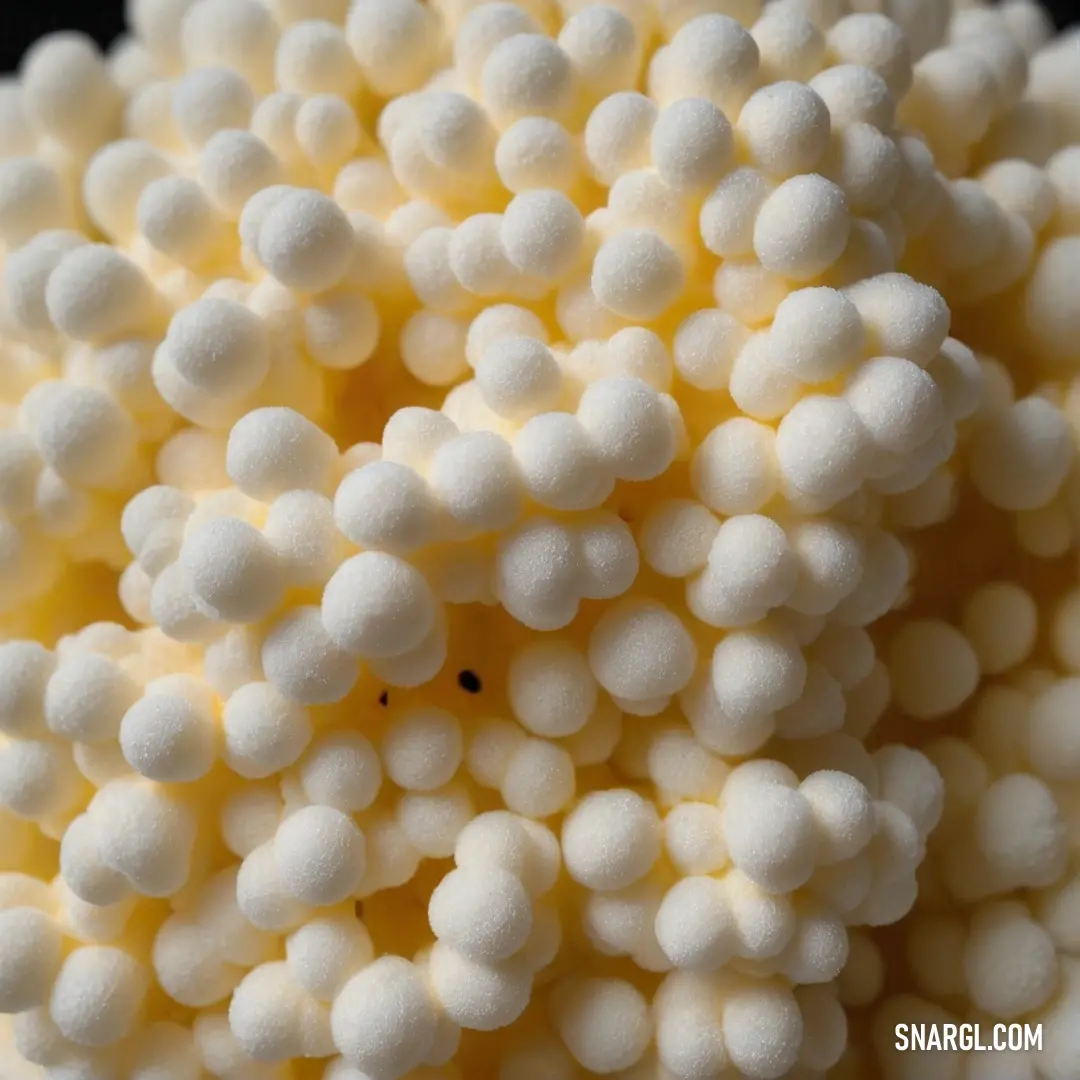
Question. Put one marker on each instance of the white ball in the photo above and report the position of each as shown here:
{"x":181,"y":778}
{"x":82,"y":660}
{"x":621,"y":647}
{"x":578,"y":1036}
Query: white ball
{"x":377,"y":605}
{"x":843,"y":813}
{"x":478,"y":996}
{"x":306,"y":241}
{"x":802,"y":228}
{"x":763,"y":1030}
{"x":483,"y":912}
{"x":695,"y":926}
{"x":637,"y":275}
{"x":934,"y":669}
{"x":692,"y":145}
{"x":86,"y":697}
{"x":169,"y":735}
{"x":432,"y":820}
{"x":97,"y":995}
{"x":422,"y":749}
{"x":319,"y":853}
{"x":630,"y":427}
{"x":821,"y":449}
{"x":604,"y":1023}
{"x":1020,"y":831}
{"x":519,"y":378}
{"x":559,"y":464}
{"x":30,"y":957}
{"x":264,"y":732}
{"x":475,"y":478}
{"x":611,"y":839}
{"x":341,"y":769}
{"x":1009,"y":961}
{"x":639,"y":650}
{"x":757,"y":671}
{"x":324,"y":952}
{"x":617,"y":134}
{"x":770,"y":835}
{"x":817,"y":333}
{"x":785,"y":128}
{"x":207,"y":100}
{"x":705,"y":348}
{"x":383,"y":1020}
{"x":902,"y":317}
{"x":536,"y":152}
{"x":274,"y":450}
{"x":898,"y":403}
{"x":526,"y":75}
{"x":551,"y":690}
{"x":539,"y":780}
{"x":542,"y":233}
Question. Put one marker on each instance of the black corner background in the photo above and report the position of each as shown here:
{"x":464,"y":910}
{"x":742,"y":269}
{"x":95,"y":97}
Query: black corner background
{"x":22,"y":22}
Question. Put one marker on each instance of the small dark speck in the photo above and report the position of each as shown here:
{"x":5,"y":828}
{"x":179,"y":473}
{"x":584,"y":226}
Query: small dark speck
{"x":384,"y":697}
{"x":470,"y":682}
{"x":358,"y":909}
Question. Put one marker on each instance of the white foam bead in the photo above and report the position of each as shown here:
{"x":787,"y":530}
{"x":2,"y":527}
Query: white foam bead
{"x":394,"y":42}
{"x":37,"y":779}
{"x":114,"y":178}
{"x":818,"y":949}
{"x":640,"y":650}
{"x":710,"y":56}
{"x":843,"y":814}
{"x":538,"y":569}
{"x":909,"y":780}
{"x":526,"y":75}
{"x":536,"y":152}
{"x":604,"y":1023}
{"x":482,"y":912}
{"x":831,"y":565}
{"x":97,"y":995}
{"x":785,"y":128}
{"x":902,"y":317}
{"x":433,"y":347}
{"x":86,"y":697}
{"x":726,"y":221}
{"x":691,"y":145}
{"x":168,"y":735}
{"x":490,"y":750}
{"x":378,"y":605}
{"x":694,"y":925}
{"x":319,"y":853}
{"x":558,"y":463}
{"x":25,"y":670}
{"x":325,"y":952}
{"x":475,"y":478}
{"x":630,"y":427}
{"x":676,"y":536}
{"x":817,"y":333}
{"x":886,"y":569}
{"x":32,"y":199}
{"x":1013,"y":467}
{"x":208,"y":100}
{"x":1014,"y":806}
{"x":855,"y":94}
{"x":519,"y":378}
{"x":757,"y":671}
{"x":422,"y":748}
{"x":734,"y":469}
{"x":274,"y":450}
{"x":631,"y":832}
{"x":497,"y":322}
{"x":933,"y":667}
{"x":759,"y":385}
{"x":234,"y":572}
{"x":261,"y":895}
{"x":539,"y":780}
{"x":264,"y":732}
{"x":713,"y":727}
{"x":267,"y":1013}
{"x":763,"y":1030}
{"x":1009,"y":961}
{"x":327,"y":131}
{"x":821,"y":447}
{"x":689,"y":1038}
{"x":609,"y":557}
{"x":306,"y":241}
{"x":551,"y":689}
{"x":819,"y":711}
{"x":240,"y":35}
{"x":432,"y":820}
{"x":802,"y":228}
{"x":385,"y":506}
{"x":26,"y":274}
{"x":83,"y":869}
{"x":313,"y":57}
{"x":617,"y":134}
{"x":30,"y":958}
{"x":603,"y":47}
{"x":145,"y":834}
{"x":705,"y":346}
{"x":542,"y":233}
{"x":870,"y":40}
{"x":1048,"y":737}
{"x":897,"y":402}
{"x":637,"y":275}
{"x":341,"y":330}
{"x":250,"y":818}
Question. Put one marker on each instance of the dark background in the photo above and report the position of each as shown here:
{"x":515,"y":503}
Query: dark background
{"x":23,"y":21}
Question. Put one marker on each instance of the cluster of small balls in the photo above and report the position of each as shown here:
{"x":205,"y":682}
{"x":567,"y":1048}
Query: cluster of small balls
{"x":496,"y":500}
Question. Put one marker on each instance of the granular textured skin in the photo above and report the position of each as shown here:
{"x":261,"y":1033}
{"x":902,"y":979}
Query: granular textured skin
{"x":538,"y":540}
